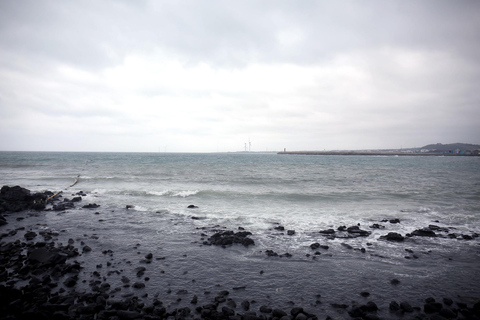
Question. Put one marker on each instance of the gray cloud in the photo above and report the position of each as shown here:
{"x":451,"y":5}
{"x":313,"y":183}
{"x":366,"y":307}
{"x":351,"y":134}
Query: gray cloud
{"x":198,"y":74}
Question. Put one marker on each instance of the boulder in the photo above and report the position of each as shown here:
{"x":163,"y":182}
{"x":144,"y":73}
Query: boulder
{"x":355,"y":230}
{"x":91,"y":206}
{"x":328,"y":231}
{"x":227,"y":238}
{"x":393,"y":236}
{"x":15,"y":199}
{"x":425,"y":232}
{"x":406,"y":307}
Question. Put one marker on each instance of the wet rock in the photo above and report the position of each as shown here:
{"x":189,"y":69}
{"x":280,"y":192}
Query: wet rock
{"x":91,"y":206}
{"x":371,"y":306}
{"x":355,"y":230}
{"x":228,"y":311}
{"x":358,"y":312}
{"x":30,"y":235}
{"x":271,"y":253}
{"x":46,"y":257}
{"x":62,"y":206}
{"x":290,"y":232}
{"x":301,"y":316}
{"x":229,"y":237}
{"x":395,"y":281}
{"x":406,"y":307}
{"x":194,"y":300}
{"x":192,"y":206}
{"x":265,"y":309}
{"x":432,"y":307}
{"x":394,"y":306}
{"x":71,"y":281}
{"x":280,"y":228}
{"x":139,"y":285}
{"x":128,"y":315}
{"x":425,"y":232}
{"x":365,"y":294}
{"x":393,"y":236}
{"x":377,"y":226}
{"x":437,"y":228}
{"x":278,"y":313}
{"x":396,"y":220}
{"x":245,"y":305}
{"x":86,"y":249}
{"x":315,"y":246}
{"x":328,"y":231}
{"x":448,"y":313}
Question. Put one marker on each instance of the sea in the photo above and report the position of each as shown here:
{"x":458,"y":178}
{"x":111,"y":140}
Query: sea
{"x":261,"y":193}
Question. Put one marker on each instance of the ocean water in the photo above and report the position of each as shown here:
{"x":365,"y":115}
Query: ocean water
{"x":260,"y":192}
{"x":256,"y":189}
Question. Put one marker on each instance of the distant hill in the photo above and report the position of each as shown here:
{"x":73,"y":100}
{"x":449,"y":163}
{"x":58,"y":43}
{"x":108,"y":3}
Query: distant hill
{"x":452,"y":146}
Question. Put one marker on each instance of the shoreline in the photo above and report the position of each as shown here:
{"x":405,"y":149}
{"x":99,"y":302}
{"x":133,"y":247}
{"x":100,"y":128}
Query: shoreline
{"x":67,"y":274}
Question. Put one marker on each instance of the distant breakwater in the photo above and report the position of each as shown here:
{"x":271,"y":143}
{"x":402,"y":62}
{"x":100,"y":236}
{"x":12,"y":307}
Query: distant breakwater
{"x":368,"y":153}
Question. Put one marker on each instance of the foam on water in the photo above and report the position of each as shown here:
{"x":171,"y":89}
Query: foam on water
{"x":258,"y":192}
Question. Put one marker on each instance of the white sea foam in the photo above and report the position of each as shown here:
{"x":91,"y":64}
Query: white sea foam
{"x":185,"y":193}
{"x":173,"y":193}
{"x":159,"y":193}
{"x":96,"y":178}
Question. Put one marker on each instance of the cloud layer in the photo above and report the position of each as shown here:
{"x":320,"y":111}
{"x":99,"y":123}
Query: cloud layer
{"x":206,"y":76}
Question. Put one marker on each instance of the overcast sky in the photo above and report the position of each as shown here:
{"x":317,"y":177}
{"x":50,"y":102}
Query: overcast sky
{"x":207,"y":76}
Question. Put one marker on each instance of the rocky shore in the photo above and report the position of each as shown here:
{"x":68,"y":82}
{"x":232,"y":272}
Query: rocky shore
{"x":42,"y":278}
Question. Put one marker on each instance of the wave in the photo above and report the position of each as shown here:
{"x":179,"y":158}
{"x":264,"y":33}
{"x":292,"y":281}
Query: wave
{"x":97,"y":178}
{"x":174,"y":193}
{"x":143,"y":193}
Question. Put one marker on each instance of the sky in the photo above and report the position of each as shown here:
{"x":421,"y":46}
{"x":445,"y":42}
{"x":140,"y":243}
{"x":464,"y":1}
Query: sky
{"x":212,"y":76}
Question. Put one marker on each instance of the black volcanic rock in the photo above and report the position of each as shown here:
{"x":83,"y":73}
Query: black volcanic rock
{"x":328,"y":231}
{"x":16,"y":199}
{"x":355,"y":230}
{"x":91,"y":206}
{"x":425,"y":232}
{"x":393,"y":236}
{"x":229,"y":237}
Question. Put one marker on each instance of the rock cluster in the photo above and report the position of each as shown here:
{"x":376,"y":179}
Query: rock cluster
{"x":39,"y":280}
{"x":345,"y":233}
{"x":227,"y":238}
{"x":15,"y":199}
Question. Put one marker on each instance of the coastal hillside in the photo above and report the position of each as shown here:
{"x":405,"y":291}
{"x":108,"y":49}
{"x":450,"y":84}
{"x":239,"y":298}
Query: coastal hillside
{"x":452,"y":146}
